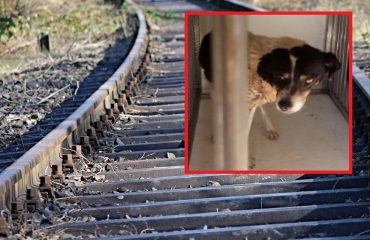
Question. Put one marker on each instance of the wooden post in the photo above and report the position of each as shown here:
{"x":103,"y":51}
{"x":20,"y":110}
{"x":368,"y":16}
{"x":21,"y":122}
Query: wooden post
{"x":116,"y":3}
{"x":230,"y":92}
{"x":44,"y":43}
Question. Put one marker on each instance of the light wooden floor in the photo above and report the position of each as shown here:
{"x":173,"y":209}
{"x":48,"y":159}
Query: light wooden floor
{"x":315,"y":138}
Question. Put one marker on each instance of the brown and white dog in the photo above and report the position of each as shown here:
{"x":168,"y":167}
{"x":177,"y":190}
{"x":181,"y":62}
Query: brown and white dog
{"x":281,"y":70}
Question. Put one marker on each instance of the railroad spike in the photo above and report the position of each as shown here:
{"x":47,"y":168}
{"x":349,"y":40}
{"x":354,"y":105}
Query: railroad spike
{"x":123,"y":98}
{"x":45,"y":187}
{"x":142,"y":70}
{"x":132,"y":86}
{"x":121,"y":105}
{"x":136,"y":84}
{"x":98,"y":125}
{"x":68,"y":168}
{"x":128,"y":99}
{"x":17,"y":210}
{"x":91,"y":132}
{"x":67,"y":163}
{"x":86,"y":146}
{"x":128,"y":90}
{"x":45,"y":181}
{"x":34,"y":199}
{"x":57,"y":173}
{"x":76,"y":150}
{"x":110,"y":115}
{"x":67,"y":159}
{"x":147,"y":59}
{"x":93,"y":139}
{"x":106,"y":122}
{"x":115,"y":109}
{"x":84,"y":140}
{"x":56,"y":169}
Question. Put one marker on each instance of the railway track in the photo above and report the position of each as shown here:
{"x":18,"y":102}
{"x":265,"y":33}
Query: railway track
{"x":117,"y":170}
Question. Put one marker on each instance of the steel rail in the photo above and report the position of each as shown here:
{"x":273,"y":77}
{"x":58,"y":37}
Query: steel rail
{"x":25,"y":171}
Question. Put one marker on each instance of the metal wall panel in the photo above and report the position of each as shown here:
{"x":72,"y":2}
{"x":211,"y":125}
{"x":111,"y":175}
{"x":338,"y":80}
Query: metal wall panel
{"x":194,"y":75}
{"x":337,"y":43}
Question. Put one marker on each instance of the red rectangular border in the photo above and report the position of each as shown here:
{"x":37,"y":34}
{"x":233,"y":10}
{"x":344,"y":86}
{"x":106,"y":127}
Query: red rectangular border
{"x":349,"y":171}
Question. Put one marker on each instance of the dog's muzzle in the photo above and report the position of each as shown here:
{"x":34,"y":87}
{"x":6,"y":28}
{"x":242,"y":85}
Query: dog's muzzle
{"x":292,"y":104}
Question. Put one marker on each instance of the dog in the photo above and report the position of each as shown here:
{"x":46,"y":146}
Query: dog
{"x":280,"y":69}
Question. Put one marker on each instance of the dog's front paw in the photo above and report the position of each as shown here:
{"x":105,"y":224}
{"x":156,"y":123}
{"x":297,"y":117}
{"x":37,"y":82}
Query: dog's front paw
{"x":272,"y":134}
{"x":252,"y":162}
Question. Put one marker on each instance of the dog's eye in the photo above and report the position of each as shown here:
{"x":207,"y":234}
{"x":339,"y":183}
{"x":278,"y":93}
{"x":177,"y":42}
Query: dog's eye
{"x":284,"y":76}
{"x":308,"y":81}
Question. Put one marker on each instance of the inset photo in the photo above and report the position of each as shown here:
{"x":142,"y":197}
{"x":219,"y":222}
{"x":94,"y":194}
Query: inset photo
{"x":268,"y":92}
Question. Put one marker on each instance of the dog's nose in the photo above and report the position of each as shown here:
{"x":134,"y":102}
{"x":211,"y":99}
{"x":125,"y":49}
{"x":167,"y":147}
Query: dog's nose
{"x":285,"y":104}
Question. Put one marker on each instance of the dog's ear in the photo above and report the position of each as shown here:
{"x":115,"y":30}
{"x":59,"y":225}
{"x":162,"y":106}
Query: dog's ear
{"x":296,"y":51}
{"x":205,"y":56}
{"x":273,"y":63}
{"x":331,"y":63}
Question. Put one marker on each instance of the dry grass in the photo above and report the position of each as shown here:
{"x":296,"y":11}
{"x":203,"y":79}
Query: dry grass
{"x":69,"y":24}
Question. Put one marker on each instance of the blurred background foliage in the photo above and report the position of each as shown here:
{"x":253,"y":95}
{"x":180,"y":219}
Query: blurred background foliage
{"x":66,"y":21}
{"x":69,"y":24}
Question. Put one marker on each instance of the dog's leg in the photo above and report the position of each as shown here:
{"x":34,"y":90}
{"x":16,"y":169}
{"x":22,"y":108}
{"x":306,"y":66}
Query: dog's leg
{"x":250,"y":119}
{"x":271,"y":133}
{"x":249,"y":125}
